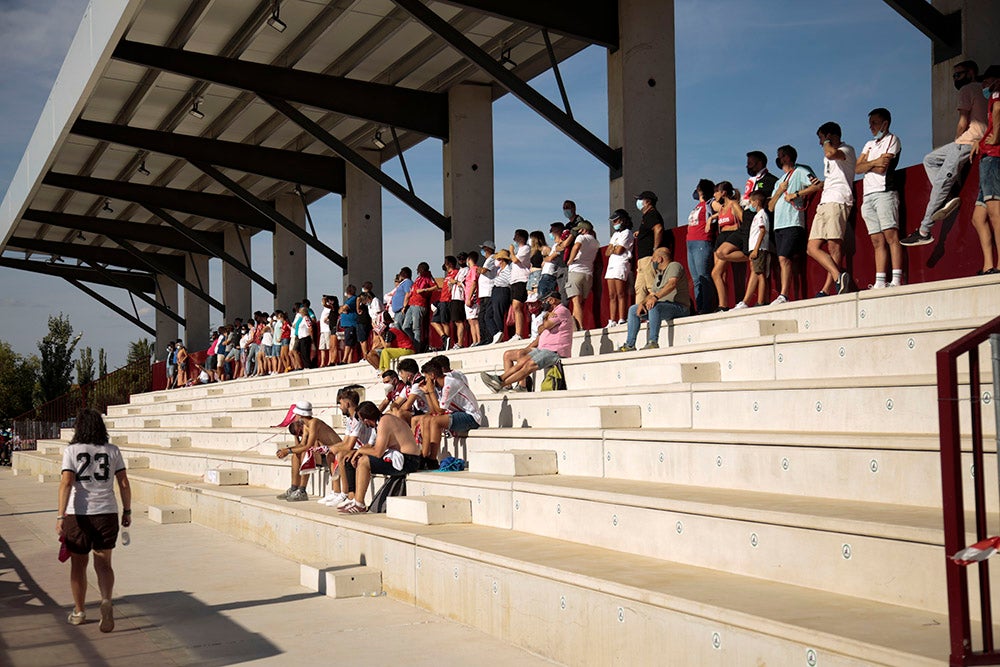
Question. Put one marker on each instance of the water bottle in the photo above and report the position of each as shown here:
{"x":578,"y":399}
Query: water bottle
{"x":126,"y":538}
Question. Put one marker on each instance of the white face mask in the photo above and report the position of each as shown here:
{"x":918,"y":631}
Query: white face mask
{"x":639,"y":203}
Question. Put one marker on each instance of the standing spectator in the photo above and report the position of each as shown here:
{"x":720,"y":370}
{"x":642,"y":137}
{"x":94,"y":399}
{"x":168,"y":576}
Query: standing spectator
{"x":441,"y":320}
{"x":349,"y":323}
{"x":551,"y":260}
{"x":500,"y":300}
{"x":580,"y":277}
{"x":324,"y":331}
{"x":400,"y":294}
{"x":830,"y":222}
{"x":619,"y":254}
{"x":760,"y":180}
{"x":668,"y":299}
{"x":789,"y":215}
{"x":701,"y":247}
{"x":487,"y":274}
{"x":171,"y":366}
{"x":731,"y":244}
{"x":472,"y":278}
{"x":650,"y":236}
{"x":520,"y":267}
{"x":417,"y":303}
{"x":182,"y":364}
{"x":365,"y":320}
{"x":759,"y":244}
{"x":944,"y":165}
{"x":989,"y":176}
{"x":880,"y":203}
{"x":304,"y":338}
{"x":456,"y":288}
{"x":87,"y":517}
{"x":539,"y":249}
{"x":562,"y":242}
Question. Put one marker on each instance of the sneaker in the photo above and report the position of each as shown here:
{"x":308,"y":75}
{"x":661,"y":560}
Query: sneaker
{"x":820,"y":294}
{"x":428,"y":463}
{"x":916,"y":238}
{"x":335,"y":499}
{"x":529,"y":382}
{"x":622,"y":323}
{"x":947,"y":209}
{"x":627,"y":348}
{"x":354,"y":508}
{"x":518,"y":387}
{"x":445,"y":341}
{"x":286,"y":494}
{"x":326,"y":498}
{"x":781,"y":299}
{"x":344,"y":503}
{"x":843,"y":282}
{"x":491,"y":381}
{"x":652,"y":345}
{"x":610,"y":324}
{"x":497,"y":336}
{"x":514,"y":338}
{"x":740,"y":306}
{"x":77,"y":617}
{"x":107,"y":616}
{"x":297,"y":495}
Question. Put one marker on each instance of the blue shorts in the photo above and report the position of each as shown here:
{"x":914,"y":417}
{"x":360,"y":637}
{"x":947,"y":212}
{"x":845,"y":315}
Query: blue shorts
{"x":544,"y":358}
{"x":989,"y":178}
{"x":171,"y":370}
{"x":461,"y":422}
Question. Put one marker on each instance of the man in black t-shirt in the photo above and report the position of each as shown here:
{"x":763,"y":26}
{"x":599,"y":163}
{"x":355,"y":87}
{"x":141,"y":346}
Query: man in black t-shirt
{"x":650,"y":235}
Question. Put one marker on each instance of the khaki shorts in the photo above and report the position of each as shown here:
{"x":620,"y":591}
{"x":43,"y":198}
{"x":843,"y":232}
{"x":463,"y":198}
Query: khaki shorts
{"x":324,"y":340}
{"x":761,"y":265}
{"x":579,"y":284}
{"x":830,"y":222}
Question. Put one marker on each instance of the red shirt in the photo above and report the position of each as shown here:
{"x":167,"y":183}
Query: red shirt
{"x":418,"y":299}
{"x":993,"y":150}
{"x":402,"y":340}
{"x":696,"y":224}
{"x":445,"y":295}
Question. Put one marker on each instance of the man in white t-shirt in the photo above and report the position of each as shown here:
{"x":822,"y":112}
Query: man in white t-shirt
{"x":324,"y":332}
{"x":830,"y":222}
{"x":452,"y":406}
{"x":580,"y":275}
{"x":880,"y":205}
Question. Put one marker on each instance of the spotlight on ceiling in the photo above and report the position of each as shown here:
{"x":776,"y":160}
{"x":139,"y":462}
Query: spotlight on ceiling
{"x":142,"y":169}
{"x":379,"y":144}
{"x":195,"y":109}
{"x":505,"y":58}
{"x":274,"y":21}
{"x":107,"y":206}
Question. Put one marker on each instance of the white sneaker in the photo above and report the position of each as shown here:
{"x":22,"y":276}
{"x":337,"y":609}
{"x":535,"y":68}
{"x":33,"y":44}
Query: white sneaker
{"x":330,"y":496}
{"x":781,"y":299}
{"x":740,"y":306}
{"x":515,"y":337}
{"x":346,"y":502}
{"x":610,"y":324}
{"x":497,"y":336}
{"x":622,"y":323}
{"x":335,"y":499}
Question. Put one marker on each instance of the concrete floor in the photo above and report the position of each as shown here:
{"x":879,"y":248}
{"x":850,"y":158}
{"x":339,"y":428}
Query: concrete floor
{"x":187,"y":595}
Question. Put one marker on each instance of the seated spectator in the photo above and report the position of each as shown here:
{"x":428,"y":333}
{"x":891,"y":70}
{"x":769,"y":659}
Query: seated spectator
{"x":554,"y":342}
{"x":580,"y":276}
{"x":391,"y":435}
{"x":731,"y":244}
{"x":619,"y":254}
{"x":880,"y":203}
{"x":409,"y":403}
{"x":988,"y":202}
{"x":452,"y":406}
{"x":511,"y":357}
{"x":356,"y":434}
{"x":311,"y":434}
{"x":759,"y":244}
{"x":394,"y":388}
{"x":668,"y":299}
{"x":201,"y":377}
{"x":391,"y":344}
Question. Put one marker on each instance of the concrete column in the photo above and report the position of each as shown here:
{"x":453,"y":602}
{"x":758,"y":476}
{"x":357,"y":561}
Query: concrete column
{"x":361,"y":220}
{"x":166,"y":328}
{"x":642,"y":106}
{"x":195,"y":309}
{"x":289,"y":254}
{"x":468,"y":168}
{"x":980,"y":27}
{"x":235,"y":285}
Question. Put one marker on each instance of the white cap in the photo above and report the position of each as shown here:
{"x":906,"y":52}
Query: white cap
{"x":303,"y":409}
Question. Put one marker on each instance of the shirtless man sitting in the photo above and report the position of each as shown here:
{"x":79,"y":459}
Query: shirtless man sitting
{"x":309,"y":433}
{"x":391,"y":433}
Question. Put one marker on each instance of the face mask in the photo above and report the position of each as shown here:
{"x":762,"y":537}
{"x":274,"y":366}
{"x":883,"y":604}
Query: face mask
{"x":694,"y":196}
{"x":483,"y":253}
{"x":751,"y":171}
{"x":879,"y":134}
{"x":568,"y":212}
{"x":752,"y":208}
{"x":960,"y":82}
{"x":639,"y":203}
{"x":987,"y":93}
{"x":618,"y":226}
{"x":552,"y":236}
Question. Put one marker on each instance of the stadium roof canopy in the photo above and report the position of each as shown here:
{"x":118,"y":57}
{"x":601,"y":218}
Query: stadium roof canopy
{"x":172,"y":120}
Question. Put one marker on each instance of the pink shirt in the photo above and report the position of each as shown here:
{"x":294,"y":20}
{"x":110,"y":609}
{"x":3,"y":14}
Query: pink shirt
{"x":559,"y":338}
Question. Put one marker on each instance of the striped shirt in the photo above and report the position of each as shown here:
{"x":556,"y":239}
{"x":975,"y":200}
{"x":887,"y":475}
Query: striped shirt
{"x":503,"y":277}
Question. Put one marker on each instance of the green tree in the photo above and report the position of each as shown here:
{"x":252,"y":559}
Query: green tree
{"x":56,"y":351}
{"x":85,"y":367}
{"x":140,"y":350}
{"x":18,"y":376}
{"x":102,"y":363}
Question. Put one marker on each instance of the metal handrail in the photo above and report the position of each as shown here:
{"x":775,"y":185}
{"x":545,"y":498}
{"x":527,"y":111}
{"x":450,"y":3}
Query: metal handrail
{"x":960,"y":625}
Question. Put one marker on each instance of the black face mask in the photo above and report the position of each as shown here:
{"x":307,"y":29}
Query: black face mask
{"x":751,"y":171}
{"x":778,"y":162}
{"x":961,"y":82}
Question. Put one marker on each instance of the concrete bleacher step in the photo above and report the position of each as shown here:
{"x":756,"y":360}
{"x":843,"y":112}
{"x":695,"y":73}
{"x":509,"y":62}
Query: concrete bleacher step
{"x":516,"y":462}
{"x":429,"y":510}
{"x":526,"y":588}
{"x":341,"y":580}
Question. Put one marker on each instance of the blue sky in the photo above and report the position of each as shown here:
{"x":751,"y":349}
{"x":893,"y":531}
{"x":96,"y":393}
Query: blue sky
{"x":750,"y":75}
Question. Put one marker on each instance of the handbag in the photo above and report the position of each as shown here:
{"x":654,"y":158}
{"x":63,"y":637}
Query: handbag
{"x":555,"y":378}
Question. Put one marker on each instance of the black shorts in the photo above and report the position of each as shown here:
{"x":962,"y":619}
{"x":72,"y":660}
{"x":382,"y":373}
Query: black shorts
{"x":94,"y":531}
{"x":441,"y":315}
{"x":790,"y":241}
{"x":735,"y":237}
{"x":364,"y":330}
{"x":457,"y":310}
{"x":210,"y":362}
{"x":519,"y":291}
{"x":350,"y":336}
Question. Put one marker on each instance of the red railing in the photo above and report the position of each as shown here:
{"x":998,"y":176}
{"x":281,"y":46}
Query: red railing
{"x":962,"y":650}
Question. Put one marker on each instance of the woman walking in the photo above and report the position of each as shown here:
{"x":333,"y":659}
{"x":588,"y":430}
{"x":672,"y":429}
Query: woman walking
{"x":88,"y":512}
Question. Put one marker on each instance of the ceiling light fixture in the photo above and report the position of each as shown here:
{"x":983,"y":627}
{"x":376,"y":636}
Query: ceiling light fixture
{"x":377,"y":140}
{"x":195,"y":109}
{"x":80,"y":236}
{"x":107,"y":206}
{"x":505,"y":58}
{"x":274,"y":21}
{"x":142,"y":169}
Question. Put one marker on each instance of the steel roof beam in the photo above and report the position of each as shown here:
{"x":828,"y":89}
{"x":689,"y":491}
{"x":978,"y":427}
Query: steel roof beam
{"x":266,"y":209}
{"x":213,"y":207}
{"x":96,"y":253}
{"x":415,"y":110}
{"x":157,"y":235}
{"x":520,"y":89}
{"x":318,"y":171}
{"x":158,"y":265}
{"x":127,"y":315}
{"x":213,"y":248}
{"x":150,"y":300}
{"x":134,"y":282}
{"x":370,"y":170}
{"x":944,"y":30}
{"x":595,"y":21}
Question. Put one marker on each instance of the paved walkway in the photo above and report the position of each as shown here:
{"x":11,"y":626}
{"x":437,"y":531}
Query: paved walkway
{"x":187,"y":595}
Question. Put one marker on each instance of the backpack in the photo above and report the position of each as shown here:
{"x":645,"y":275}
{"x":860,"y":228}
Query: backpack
{"x":555,"y":378}
{"x":395,"y":485}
